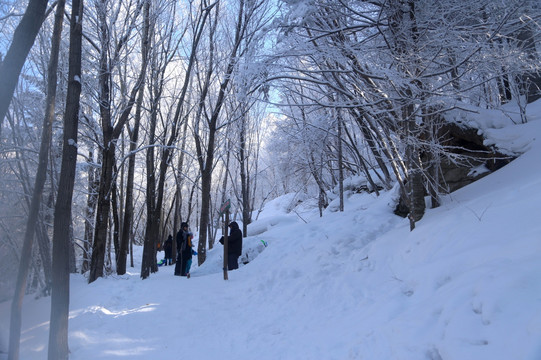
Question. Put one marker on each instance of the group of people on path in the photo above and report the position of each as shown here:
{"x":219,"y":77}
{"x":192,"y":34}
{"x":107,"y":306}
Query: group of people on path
{"x":185,"y":250}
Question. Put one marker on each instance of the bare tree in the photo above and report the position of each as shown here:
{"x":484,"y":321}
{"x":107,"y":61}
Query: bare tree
{"x":390,"y":62}
{"x":90,"y":211}
{"x":15,"y":324}
{"x":156,"y":181}
{"x":207,"y":118}
{"x":58,"y":333}
{"x":111,"y":132}
{"x":128,"y":214}
{"x":22,"y":42}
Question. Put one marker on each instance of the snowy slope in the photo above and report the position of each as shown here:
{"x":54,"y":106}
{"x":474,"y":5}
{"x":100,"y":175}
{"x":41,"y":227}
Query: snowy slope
{"x":465,"y":284}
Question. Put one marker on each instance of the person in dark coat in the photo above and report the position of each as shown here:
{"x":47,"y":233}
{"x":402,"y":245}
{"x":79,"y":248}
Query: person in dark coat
{"x":168,"y":250}
{"x":234,"y":245}
{"x":179,"y":240}
{"x":183,"y":247}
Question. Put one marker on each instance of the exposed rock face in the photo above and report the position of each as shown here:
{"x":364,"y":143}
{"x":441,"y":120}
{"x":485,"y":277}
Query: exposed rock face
{"x":479,"y":161}
{"x":476,"y":160}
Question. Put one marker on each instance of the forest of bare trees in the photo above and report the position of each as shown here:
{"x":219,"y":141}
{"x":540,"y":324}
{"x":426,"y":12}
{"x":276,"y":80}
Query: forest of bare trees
{"x":131,"y":117}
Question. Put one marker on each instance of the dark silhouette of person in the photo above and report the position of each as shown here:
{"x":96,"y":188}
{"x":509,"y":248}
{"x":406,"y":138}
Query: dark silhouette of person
{"x":184,"y":250}
{"x":234,"y":246}
{"x":168,"y":250}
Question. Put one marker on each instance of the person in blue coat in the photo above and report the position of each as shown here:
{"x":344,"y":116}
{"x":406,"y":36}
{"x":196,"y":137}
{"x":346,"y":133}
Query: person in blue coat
{"x":187,"y":253}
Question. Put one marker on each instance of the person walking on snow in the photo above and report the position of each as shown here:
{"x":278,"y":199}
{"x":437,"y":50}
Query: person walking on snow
{"x":187,"y":254}
{"x":234,"y":246}
{"x":168,"y":250}
{"x":181,"y":240}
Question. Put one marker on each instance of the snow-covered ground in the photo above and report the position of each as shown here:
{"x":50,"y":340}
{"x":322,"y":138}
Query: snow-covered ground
{"x":464,"y":285}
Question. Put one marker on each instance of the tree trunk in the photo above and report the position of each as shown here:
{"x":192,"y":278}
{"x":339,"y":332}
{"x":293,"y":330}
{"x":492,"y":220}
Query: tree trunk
{"x":340,"y":160}
{"x":128,"y":214}
{"x":110,"y":135}
{"x":90,"y":212}
{"x":206,"y":163}
{"x":244,"y":179}
{"x":128,"y":208}
{"x":107,"y":154}
{"x":41,"y":175}
{"x":206,"y":183}
{"x":22,"y":42}
{"x":102,"y":213}
{"x":416,"y":189}
{"x":71,"y":251}
{"x":405,"y":36}
{"x":227,"y":173}
{"x":531,"y":80}
{"x":151,"y":225}
{"x":148,"y":263}
{"x":322,"y":198}
{"x":58,"y":333}
{"x":45,"y":254}
{"x":115,"y":217}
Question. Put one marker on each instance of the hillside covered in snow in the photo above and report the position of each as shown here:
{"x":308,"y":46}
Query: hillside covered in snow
{"x":464,"y":285}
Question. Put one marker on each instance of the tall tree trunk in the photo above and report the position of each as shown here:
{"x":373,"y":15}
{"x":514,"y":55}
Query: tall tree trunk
{"x":90,"y":212}
{"x":413,"y":159}
{"x":58,"y":333}
{"x":416,"y":189}
{"x":504,"y":88}
{"x":323,"y":201}
{"x":110,"y":135}
{"x":340,"y":159}
{"x":151,"y":225}
{"x":102,"y":213}
{"x":134,"y":137}
{"x":224,"y":191}
{"x":179,"y":179}
{"x":115,"y":217}
{"x":71,"y":251}
{"x":244,"y":180}
{"x":128,"y":208}
{"x":531,"y":80}
{"x":206,"y":182}
{"x":206,"y":163}
{"x":45,"y":254}
{"x":405,"y":35}
{"x":107,"y":153}
{"x":22,"y":42}
{"x":201,"y":26}
{"x":41,"y":175}
{"x":148,"y":263}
